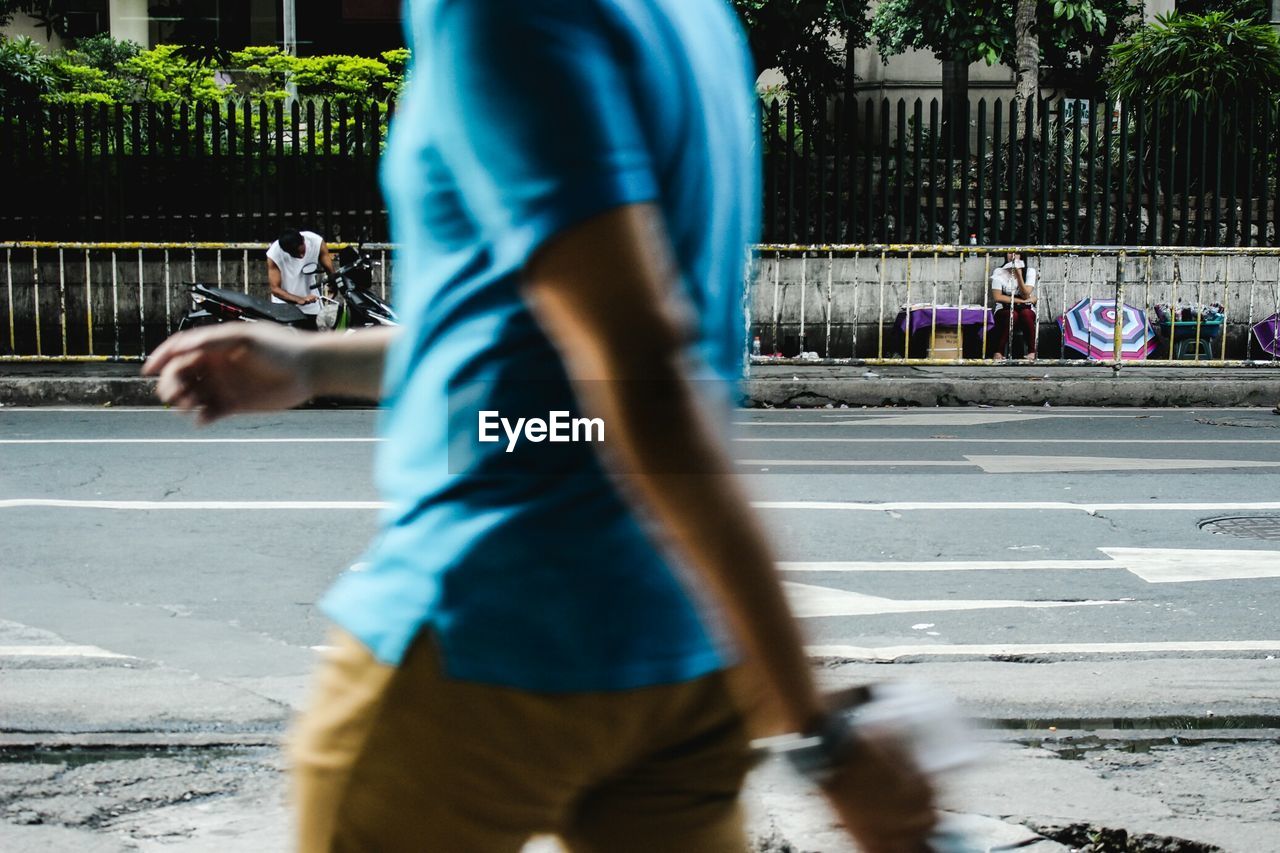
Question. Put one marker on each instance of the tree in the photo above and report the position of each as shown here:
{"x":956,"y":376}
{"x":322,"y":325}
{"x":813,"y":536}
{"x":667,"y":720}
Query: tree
{"x":807,"y":40}
{"x":1027,"y":59}
{"x":1196,"y":58}
{"x":959,"y":34}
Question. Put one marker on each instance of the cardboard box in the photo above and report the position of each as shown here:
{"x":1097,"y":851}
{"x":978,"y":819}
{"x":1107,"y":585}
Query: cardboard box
{"x":947,"y":343}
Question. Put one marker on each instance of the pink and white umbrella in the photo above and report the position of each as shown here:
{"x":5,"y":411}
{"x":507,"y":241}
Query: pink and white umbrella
{"x":1089,"y":327}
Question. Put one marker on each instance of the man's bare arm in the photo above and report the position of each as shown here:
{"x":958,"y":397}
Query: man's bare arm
{"x":326,"y":258}
{"x":232,"y":368}
{"x":599,"y":291}
{"x":273,"y":281}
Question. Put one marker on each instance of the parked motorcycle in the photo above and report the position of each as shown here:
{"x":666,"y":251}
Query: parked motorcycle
{"x":355,"y":302}
{"x":346,"y":296}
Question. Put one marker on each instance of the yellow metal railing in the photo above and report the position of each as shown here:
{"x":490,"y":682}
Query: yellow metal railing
{"x":906,"y":281}
{"x":91,"y":302}
{"x":831,"y":304}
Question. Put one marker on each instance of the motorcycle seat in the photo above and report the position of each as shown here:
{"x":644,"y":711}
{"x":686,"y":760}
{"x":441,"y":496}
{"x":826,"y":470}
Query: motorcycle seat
{"x":280,"y":312}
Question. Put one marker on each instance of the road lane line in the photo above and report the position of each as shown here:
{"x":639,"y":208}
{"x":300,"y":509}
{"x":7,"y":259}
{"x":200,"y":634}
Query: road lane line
{"x":1024,"y":464}
{"x":861,"y":463}
{"x":1153,"y":565}
{"x":888,"y":653}
{"x":842,"y":506}
{"x":956,"y":440}
{"x":1006,"y":506}
{"x":856,"y":566}
{"x":809,"y":602}
{"x":53,"y":503}
{"x":58,"y":652}
{"x":929,"y":420}
{"x":188,"y":440}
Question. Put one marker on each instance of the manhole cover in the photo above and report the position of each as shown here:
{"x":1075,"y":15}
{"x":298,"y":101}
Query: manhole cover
{"x":1244,"y":526}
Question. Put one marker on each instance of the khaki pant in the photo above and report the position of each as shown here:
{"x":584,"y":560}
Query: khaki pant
{"x":405,"y":759}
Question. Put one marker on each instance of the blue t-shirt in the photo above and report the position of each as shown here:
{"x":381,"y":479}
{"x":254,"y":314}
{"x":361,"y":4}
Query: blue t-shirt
{"x":523,"y":118}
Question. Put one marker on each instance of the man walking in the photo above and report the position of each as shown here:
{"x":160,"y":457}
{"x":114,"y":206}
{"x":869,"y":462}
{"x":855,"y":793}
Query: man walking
{"x":553,"y":640}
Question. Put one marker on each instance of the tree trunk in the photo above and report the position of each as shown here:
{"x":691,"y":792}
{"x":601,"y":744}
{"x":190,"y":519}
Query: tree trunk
{"x":955,"y":95}
{"x":1027,"y":62}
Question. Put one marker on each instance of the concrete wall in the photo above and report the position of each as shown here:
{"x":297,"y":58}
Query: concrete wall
{"x":25,"y":25}
{"x":850,"y":291}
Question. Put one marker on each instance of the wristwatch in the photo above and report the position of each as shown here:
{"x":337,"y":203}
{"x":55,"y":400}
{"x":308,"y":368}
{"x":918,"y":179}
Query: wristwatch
{"x":824,"y":747}
{"x":818,"y":753}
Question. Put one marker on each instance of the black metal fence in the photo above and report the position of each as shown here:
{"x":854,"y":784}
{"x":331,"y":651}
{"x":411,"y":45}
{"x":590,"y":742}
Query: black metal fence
{"x":858,"y":171}
{"x":192,"y":172}
{"x":1073,"y":172}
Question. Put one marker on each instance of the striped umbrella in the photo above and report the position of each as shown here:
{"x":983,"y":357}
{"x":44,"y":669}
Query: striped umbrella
{"x":1089,"y":327}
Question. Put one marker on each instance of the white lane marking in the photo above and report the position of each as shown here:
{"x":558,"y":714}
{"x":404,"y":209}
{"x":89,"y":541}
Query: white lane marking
{"x":17,"y":503}
{"x":1022,"y":464}
{"x":1061,"y":464}
{"x":1153,"y":565}
{"x":843,"y":506}
{"x":1006,"y":506}
{"x":809,"y":601}
{"x":888,"y":653}
{"x":58,"y":652}
{"x":941,"y":419}
{"x":858,"y":463}
{"x":1170,"y":565}
{"x":956,"y":440}
{"x":188,"y":440}
{"x":949,"y":566}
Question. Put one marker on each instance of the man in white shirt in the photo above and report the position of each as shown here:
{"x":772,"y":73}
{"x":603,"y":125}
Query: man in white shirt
{"x":287,"y":258}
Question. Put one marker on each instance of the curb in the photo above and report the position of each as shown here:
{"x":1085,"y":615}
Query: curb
{"x":77,"y":391}
{"x":1099,"y":392}
{"x":802,"y":393}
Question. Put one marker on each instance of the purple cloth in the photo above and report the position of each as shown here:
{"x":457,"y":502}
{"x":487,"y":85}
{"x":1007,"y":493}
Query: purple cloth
{"x":947,"y":316}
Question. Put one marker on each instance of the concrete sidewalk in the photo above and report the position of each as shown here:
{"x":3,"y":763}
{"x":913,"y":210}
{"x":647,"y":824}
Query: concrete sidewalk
{"x":798,"y":385}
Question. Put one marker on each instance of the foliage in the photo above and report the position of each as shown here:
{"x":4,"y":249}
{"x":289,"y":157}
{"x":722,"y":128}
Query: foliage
{"x":103,"y":70}
{"x":103,"y":51}
{"x":1195,"y":58}
{"x":342,"y":78}
{"x":807,"y":40}
{"x":952,"y":30}
{"x":25,"y":70}
{"x":1258,"y":11}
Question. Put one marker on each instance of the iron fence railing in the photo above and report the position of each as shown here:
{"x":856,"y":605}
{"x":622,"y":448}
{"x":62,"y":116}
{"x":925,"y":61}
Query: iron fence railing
{"x":837,"y":304}
{"x":857,"y":169}
{"x":869,"y":170}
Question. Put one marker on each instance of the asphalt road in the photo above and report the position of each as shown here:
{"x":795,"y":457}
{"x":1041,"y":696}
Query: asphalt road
{"x":157,"y":582}
{"x":979,"y":522}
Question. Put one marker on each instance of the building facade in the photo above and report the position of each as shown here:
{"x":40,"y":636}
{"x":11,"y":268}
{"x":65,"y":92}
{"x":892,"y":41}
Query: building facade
{"x":363,"y":27}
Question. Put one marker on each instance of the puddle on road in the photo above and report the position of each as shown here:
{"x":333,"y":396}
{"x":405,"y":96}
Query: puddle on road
{"x":82,"y":756}
{"x":1184,"y":722}
{"x":1076,"y":748}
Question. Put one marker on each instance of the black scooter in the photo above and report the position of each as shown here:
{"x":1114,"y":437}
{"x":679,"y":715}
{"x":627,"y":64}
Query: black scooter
{"x":352,"y":305}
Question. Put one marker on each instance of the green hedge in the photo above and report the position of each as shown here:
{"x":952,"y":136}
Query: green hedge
{"x":101,"y":70}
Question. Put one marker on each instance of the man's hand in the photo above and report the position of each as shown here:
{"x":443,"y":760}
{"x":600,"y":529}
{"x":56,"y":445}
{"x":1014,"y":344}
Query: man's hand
{"x":885,"y":802}
{"x":231,"y":368}
{"x":307,"y":300}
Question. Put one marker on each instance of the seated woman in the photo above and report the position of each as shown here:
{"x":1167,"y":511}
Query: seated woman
{"x":1013,"y":290}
